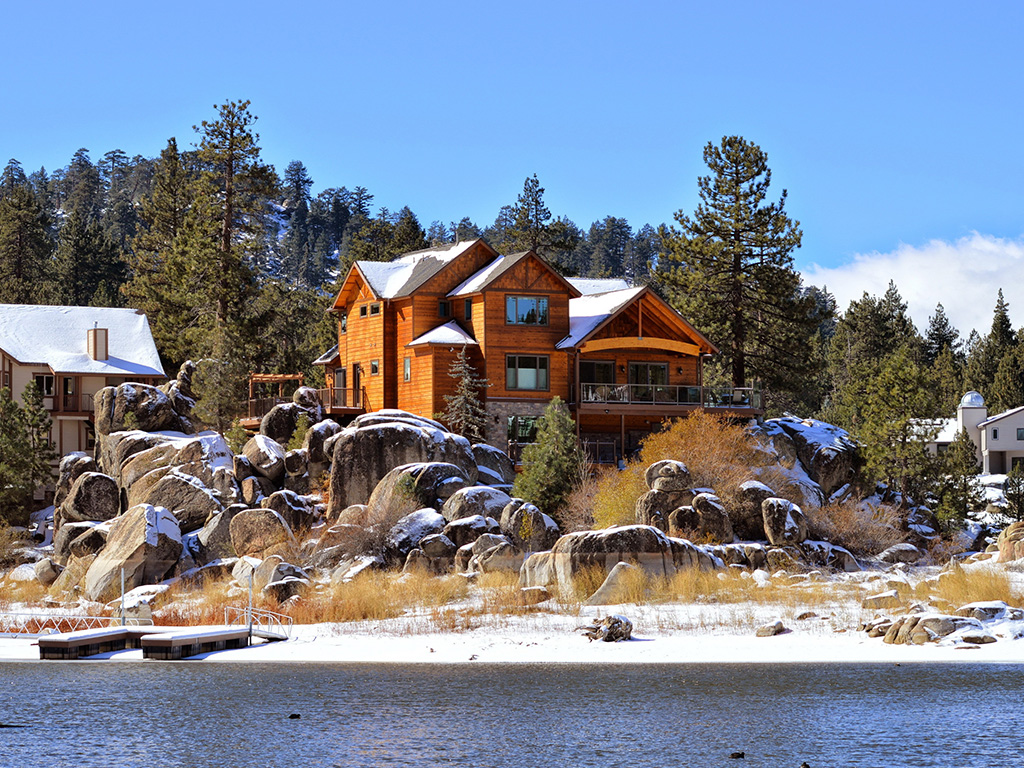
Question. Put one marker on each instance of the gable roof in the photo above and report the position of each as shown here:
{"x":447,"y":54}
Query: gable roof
{"x":56,"y":336}
{"x":477,"y":282}
{"x":392,"y":279}
{"x":588,"y":314}
{"x":449,"y":333}
{"x":591,"y":285}
{"x":328,"y":357}
{"x":1000,"y":416}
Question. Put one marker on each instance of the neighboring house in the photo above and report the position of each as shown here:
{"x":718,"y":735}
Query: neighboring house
{"x":999,"y":439}
{"x":71,"y":353}
{"x":620,"y":357}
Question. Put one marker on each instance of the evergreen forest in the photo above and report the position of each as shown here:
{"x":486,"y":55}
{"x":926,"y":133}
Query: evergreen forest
{"x":236,"y":261}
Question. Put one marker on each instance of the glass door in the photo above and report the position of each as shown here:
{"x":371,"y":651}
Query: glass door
{"x":647,"y":381}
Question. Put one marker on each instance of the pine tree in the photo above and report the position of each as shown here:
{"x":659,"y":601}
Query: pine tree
{"x":940,"y":335}
{"x":408,"y":234}
{"x":609,"y":240}
{"x":84,"y":190}
{"x":38,"y":426}
{"x":464,"y":413}
{"x":898,"y":421}
{"x":1014,"y":490}
{"x":729,"y":269}
{"x":25,"y":248}
{"x":553,"y":465}
{"x":1008,"y":386}
{"x":959,"y":493}
{"x":15,"y":461}
{"x":983,"y":362}
{"x":229,"y":201}
{"x":528,"y":226}
{"x":87,"y":264}
{"x":152,"y":287}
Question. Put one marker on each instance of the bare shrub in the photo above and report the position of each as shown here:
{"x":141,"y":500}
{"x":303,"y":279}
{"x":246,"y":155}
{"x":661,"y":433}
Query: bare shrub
{"x":862,"y":528}
{"x":578,"y":513}
{"x":719,"y":454}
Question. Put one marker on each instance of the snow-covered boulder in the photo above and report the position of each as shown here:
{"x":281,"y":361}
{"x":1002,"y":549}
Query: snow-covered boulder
{"x":259,"y":532}
{"x":144,"y":542}
{"x":94,"y":496}
{"x":830,"y":556}
{"x":527,"y":527}
{"x":784,"y":522}
{"x":667,"y":475}
{"x":827,"y":453}
{"x":409,"y":531}
{"x":415,"y":486}
{"x":266,"y":456}
{"x":900,"y":553}
{"x":747,"y":520}
{"x":1011,"y":542}
{"x":188,"y":499}
{"x":136,"y":406}
{"x":376,"y":443}
{"x":466,"y":530}
{"x":494,"y":466}
{"x":296,"y":510}
{"x":280,"y":421}
{"x":475,"y":500}
{"x":72,"y":465}
{"x":714,"y":520}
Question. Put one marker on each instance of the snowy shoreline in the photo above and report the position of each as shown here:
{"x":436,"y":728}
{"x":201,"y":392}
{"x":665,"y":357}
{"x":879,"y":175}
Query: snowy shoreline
{"x":555,"y":641}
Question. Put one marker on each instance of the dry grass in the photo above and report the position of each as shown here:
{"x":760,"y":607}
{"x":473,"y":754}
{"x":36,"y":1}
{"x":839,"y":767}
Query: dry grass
{"x":862,"y":529}
{"x":959,"y":586}
{"x":718,"y":453}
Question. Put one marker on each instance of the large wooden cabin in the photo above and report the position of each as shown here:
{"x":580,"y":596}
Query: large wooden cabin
{"x":620,"y":357}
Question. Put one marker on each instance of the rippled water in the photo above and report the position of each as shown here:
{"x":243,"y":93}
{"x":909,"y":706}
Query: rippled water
{"x":195,"y":714}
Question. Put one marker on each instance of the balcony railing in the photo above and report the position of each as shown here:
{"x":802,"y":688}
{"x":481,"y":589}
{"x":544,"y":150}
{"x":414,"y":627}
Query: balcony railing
{"x":77,"y":404}
{"x":338,"y":397}
{"x":672,"y":394}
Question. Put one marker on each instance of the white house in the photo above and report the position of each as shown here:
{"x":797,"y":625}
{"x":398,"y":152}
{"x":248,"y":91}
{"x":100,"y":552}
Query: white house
{"x":999,"y":439}
{"x":71,"y":353}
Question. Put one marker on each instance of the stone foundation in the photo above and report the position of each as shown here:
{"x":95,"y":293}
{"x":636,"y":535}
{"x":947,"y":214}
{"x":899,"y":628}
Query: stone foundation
{"x":499,"y":412}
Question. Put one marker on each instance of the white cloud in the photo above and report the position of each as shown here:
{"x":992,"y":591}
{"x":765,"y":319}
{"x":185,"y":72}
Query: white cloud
{"x":964,"y":276}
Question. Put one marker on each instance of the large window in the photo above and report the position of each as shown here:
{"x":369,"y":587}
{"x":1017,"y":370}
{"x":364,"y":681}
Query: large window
{"x":45,"y":384}
{"x":526,"y":310}
{"x":597,"y":371}
{"x":526,"y":372}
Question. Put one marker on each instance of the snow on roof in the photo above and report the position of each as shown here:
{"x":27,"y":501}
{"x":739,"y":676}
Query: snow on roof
{"x":390,"y":279}
{"x":1000,"y":416}
{"x":478,"y":281}
{"x":327,"y":356}
{"x":947,"y":430}
{"x":590,"y":285}
{"x":588,"y":312}
{"x":449,"y":333}
{"x":57,"y":336}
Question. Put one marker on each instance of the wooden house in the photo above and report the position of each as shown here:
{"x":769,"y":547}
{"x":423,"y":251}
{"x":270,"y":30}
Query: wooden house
{"x":620,"y":357}
{"x":71,"y":353}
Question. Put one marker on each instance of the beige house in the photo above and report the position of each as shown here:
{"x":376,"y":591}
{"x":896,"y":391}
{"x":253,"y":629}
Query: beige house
{"x":999,"y":439}
{"x":71,"y":353}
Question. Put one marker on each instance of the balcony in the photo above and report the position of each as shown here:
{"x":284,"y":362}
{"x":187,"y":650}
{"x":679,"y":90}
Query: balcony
{"x":76,"y":404}
{"x":335,"y":401}
{"x":684,"y":397}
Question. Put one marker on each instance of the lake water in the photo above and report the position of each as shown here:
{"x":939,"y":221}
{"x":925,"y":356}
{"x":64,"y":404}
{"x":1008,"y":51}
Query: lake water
{"x":224,"y":715}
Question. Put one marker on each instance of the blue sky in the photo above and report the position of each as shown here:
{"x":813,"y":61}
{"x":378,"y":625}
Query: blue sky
{"x":894,"y":126}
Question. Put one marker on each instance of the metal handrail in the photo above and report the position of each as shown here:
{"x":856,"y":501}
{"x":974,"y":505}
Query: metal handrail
{"x":35,"y":624}
{"x":268,"y":621}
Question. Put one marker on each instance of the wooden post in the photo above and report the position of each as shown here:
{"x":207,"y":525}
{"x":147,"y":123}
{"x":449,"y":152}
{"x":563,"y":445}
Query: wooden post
{"x":622,"y":434}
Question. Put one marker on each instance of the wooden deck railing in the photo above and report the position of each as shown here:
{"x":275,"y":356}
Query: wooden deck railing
{"x":672,"y":394}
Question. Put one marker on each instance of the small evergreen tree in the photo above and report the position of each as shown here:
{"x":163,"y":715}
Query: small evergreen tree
{"x":302,"y":425}
{"x":1014,"y":490}
{"x":15,"y":461}
{"x":37,"y":423}
{"x":555,"y":464}
{"x":465,"y":412}
{"x":958,"y":493}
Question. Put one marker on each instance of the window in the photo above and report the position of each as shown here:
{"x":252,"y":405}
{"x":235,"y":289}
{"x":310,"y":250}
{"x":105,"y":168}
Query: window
{"x":374,"y":367}
{"x":526,"y":372}
{"x":522,"y":429}
{"x":362,"y":310}
{"x":407,"y":369}
{"x":526,"y":310}
{"x":1020,"y":433}
{"x":468,"y":311}
{"x":597,"y":371}
{"x":45,"y":384}
{"x":995,"y":433}
{"x":343,"y":323}
{"x":444,"y":309}
{"x":375,"y":308}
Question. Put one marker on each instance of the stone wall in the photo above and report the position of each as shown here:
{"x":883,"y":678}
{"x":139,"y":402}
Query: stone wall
{"x":498,"y":413}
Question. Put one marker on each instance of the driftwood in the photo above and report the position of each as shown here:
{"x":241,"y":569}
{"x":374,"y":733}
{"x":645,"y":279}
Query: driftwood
{"x":611,"y":629}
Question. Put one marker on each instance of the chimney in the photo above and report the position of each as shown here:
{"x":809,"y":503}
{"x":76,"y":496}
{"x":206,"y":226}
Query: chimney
{"x":98,"y":343}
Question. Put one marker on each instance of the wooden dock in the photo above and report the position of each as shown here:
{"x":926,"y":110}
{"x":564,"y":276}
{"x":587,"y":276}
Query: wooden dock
{"x":156,"y":642}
